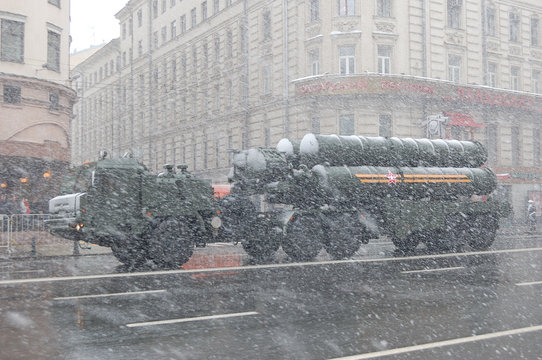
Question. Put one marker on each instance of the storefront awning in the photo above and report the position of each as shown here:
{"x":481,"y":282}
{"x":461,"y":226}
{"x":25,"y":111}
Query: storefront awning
{"x":464,"y":120}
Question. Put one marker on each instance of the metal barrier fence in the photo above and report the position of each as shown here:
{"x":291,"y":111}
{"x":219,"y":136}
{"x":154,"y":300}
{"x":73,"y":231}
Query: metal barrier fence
{"x":5,"y":230}
{"x":21,"y":228}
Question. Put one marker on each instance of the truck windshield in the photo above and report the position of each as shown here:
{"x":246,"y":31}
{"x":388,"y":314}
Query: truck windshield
{"x":76,"y":180}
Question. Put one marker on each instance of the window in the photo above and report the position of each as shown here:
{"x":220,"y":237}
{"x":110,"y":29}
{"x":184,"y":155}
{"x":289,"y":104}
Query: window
{"x":384,"y":59}
{"x":12,"y":94}
{"x":216,"y":6}
{"x":346,"y":125}
{"x":536,"y":147}
{"x":534,"y":31}
{"x":384,"y":125}
{"x":124,"y":31}
{"x":184,"y":65}
{"x":183,"y":24}
{"x":266,"y":77}
{"x":514,"y":78}
{"x":346,"y":7}
{"x":536,"y":81}
{"x":230,"y":93}
{"x":228,"y":2}
{"x":173,"y":29}
{"x":195,"y":58}
{"x":164,"y":6}
{"x":193,"y":17}
{"x":383,"y":8}
{"x":155,"y":39}
{"x":514,"y":27}
{"x":203,"y":10}
{"x":53,"y":101}
{"x":491,"y":135}
{"x":346,"y":60}
{"x":266,"y":25}
{"x":140,"y":48}
{"x":454,"y":68}
{"x":490,"y":22}
{"x":315,"y":10}
{"x":315,"y":125}
{"x":131,"y":26}
{"x":229,"y":44}
{"x":53,"y":51}
{"x":54,"y":2}
{"x":217,"y":98}
{"x":155,"y":9}
{"x":217,"y":49}
{"x":205,"y":48}
{"x":515,"y":145}
{"x":454,"y":13}
{"x":164,"y":34}
{"x":315,"y":62}
{"x":492,"y":74}
{"x":172,"y":3}
{"x":139,"y":18}
{"x":12,"y":41}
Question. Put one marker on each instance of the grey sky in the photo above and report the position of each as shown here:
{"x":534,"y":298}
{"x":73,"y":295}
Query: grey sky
{"x":93,"y":22}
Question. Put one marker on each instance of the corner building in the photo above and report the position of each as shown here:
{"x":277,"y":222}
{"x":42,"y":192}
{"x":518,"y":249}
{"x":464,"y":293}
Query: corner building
{"x":193,"y":79}
{"x":37,"y":100}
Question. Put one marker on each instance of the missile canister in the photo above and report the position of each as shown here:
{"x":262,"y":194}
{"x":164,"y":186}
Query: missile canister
{"x":368,"y":182}
{"x":354,"y":150}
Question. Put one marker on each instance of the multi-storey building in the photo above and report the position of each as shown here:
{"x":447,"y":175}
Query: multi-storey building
{"x":194,"y":78}
{"x":37,"y":98}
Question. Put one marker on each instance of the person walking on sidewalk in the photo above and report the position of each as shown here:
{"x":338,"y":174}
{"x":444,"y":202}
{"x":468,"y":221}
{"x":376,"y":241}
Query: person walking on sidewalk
{"x":531,"y":215}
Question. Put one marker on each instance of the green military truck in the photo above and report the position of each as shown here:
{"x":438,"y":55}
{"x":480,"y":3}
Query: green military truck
{"x":337,"y":192}
{"x":142,"y":217}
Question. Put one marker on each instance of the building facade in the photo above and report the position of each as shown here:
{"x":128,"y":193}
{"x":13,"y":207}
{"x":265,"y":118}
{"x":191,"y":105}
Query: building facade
{"x":193,"y":79}
{"x":37,"y":98}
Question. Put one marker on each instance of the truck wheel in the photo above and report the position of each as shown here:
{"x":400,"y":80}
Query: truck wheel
{"x":438,"y":241}
{"x":131,"y":253}
{"x":303,"y":239}
{"x":171,"y":243}
{"x":238,"y":218}
{"x":482,"y":232}
{"x":263,"y":242}
{"x":341,"y":240}
{"x":407,"y":244}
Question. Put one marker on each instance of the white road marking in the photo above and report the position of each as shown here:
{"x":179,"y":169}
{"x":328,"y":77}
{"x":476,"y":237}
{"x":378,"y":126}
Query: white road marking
{"x":431,"y":270}
{"x":27,"y":271}
{"x":200,"y":318}
{"x":529,"y":283}
{"x":265,"y":266}
{"x":107,"y":295}
{"x":437,"y":344}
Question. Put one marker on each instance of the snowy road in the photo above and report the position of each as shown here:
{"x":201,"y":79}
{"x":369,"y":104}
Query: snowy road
{"x":472,"y":305}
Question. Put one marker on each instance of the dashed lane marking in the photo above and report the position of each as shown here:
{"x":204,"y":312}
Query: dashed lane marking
{"x":529,"y":283}
{"x":108,"y":295}
{"x":431,"y":270}
{"x":438,"y":344}
{"x":265,"y":266}
{"x":199,"y":318}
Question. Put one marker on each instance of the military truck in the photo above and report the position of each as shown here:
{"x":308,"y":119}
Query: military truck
{"x":142,"y":217}
{"x":338,"y":192}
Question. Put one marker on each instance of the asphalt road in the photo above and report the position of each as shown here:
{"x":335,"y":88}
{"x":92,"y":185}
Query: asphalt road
{"x":381,"y":304}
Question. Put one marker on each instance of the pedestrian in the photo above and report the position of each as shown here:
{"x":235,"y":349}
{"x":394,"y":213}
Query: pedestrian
{"x":531,"y":215}
{"x":3,"y":205}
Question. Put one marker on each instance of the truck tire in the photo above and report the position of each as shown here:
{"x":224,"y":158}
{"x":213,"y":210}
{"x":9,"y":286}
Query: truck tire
{"x":132,"y":252}
{"x":263,"y":242}
{"x":342,"y":237}
{"x":171,"y":243}
{"x":482,"y":232}
{"x":302,"y":241}
{"x":406,"y":244}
